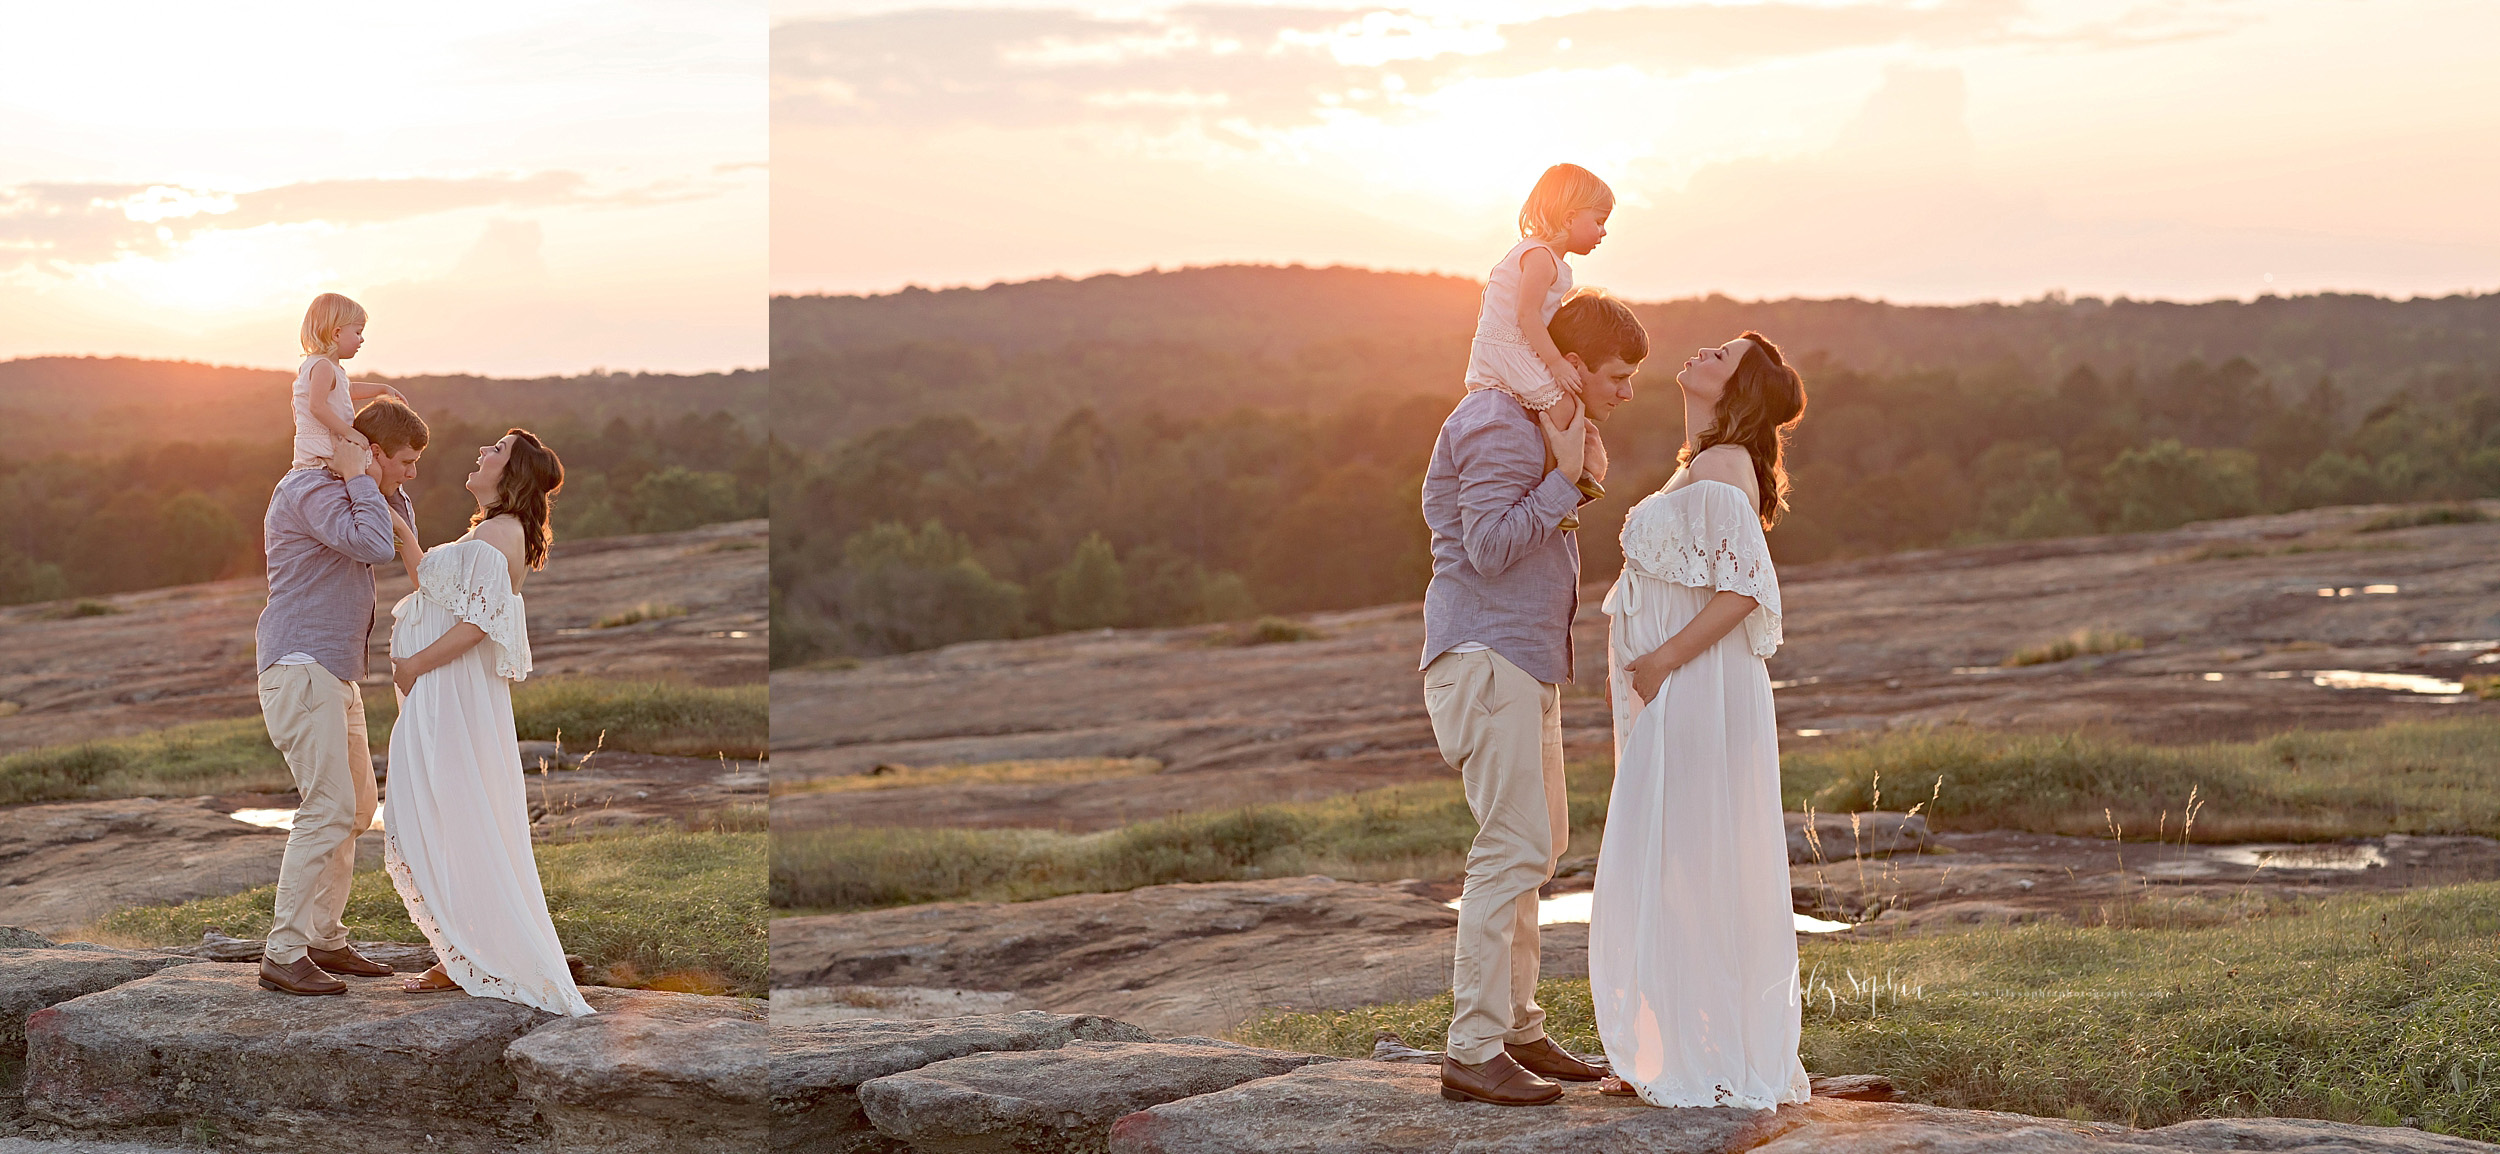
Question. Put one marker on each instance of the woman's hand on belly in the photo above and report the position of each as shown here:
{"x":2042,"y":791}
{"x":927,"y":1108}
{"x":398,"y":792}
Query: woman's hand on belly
{"x":404,"y":674}
{"x":1650,"y":670}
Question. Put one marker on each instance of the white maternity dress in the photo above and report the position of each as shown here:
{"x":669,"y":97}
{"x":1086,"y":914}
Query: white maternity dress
{"x":1692,"y":943}
{"x":456,"y":841}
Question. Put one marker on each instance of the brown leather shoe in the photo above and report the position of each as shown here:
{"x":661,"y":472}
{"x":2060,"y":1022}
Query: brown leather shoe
{"x":1547,"y":1060}
{"x":300,"y":976}
{"x":345,"y":960}
{"x":1499,"y":1080}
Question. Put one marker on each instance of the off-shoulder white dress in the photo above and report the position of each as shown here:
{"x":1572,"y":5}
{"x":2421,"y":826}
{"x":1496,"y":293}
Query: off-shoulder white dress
{"x":456,"y":841}
{"x":1692,"y":943}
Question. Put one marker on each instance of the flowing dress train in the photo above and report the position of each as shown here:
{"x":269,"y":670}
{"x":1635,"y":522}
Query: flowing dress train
{"x":456,"y":840}
{"x":1692,"y":943}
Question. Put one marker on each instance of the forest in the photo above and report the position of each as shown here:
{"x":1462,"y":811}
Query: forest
{"x":958,"y":465}
{"x":129,"y":503}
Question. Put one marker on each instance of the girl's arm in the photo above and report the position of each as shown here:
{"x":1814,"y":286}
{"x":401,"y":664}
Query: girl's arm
{"x":367,"y":390}
{"x":1536,"y":276}
{"x":460,"y":638}
{"x":406,"y":539}
{"x":1726,"y":610}
{"x":327,"y":376}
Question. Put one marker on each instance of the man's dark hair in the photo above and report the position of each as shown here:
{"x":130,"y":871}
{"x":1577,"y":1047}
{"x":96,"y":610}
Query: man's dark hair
{"x":1599,"y":328}
{"x":391,"y":426}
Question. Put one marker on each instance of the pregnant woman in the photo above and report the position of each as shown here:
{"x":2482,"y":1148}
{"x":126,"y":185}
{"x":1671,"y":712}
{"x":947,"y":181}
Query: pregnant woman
{"x":457,"y":840}
{"x":1692,"y":946}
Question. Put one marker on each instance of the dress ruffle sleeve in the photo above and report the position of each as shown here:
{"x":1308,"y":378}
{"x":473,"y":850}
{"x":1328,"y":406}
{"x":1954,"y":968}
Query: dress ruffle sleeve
{"x":473,"y":580}
{"x":1709,"y":539}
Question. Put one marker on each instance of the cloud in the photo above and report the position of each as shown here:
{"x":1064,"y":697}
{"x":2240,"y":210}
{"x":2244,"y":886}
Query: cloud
{"x":1279,"y":67}
{"x":58,"y":225}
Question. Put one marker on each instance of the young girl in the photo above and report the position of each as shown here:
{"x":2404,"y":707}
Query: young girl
{"x":325,"y":400}
{"x":1565,"y":215}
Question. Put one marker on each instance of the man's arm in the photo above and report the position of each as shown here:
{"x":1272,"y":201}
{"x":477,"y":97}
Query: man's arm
{"x":351,"y":518}
{"x":1508,"y":502}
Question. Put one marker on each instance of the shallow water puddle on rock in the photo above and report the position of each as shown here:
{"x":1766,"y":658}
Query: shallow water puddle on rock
{"x":2398,"y":682}
{"x":282,"y":818}
{"x":1575,"y":908}
{"x":2303,"y":857}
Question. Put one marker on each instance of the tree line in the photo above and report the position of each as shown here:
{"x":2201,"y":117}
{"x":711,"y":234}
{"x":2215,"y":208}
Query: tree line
{"x":173,"y":513}
{"x":940,"y":528}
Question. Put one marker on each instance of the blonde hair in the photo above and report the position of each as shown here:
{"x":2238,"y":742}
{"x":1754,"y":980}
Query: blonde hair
{"x":1563,"y":190}
{"x":329,"y":313}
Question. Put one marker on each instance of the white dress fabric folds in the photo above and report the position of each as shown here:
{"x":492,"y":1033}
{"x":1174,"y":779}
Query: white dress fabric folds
{"x":456,"y":840}
{"x":1692,"y":943}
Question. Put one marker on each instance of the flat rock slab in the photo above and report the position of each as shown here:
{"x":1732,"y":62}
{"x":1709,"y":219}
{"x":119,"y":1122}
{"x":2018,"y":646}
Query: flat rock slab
{"x":1899,"y":1129}
{"x":31,"y":979}
{"x":376,"y":1070}
{"x":1060,"y":1101}
{"x":1391,"y":1108}
{"x":1175,"y":959}
{"x":68,"y":864}
{"x":817,"y":1069}
{"x":650,"y":1073}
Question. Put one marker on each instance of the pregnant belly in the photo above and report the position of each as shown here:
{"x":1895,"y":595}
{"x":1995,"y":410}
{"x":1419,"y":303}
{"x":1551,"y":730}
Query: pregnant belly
{"x":1664,"y":609}
{"x":417,"y":623}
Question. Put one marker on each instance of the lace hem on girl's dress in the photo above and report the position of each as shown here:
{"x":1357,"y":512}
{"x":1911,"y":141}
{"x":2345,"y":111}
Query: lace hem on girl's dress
{"x":1535,"y":401}
{"x":549,"y":995}
{"x":475,"y":585}
{"x":1713,"y":540}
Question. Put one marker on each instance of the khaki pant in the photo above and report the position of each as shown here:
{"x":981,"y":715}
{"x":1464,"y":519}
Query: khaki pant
{"x":318,"y":722}
{"x":1502,"y":730}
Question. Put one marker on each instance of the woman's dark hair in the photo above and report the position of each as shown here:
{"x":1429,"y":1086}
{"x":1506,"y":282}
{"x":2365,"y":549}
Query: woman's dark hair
{"x":1763,"y":400}
{"x":532,"y":476}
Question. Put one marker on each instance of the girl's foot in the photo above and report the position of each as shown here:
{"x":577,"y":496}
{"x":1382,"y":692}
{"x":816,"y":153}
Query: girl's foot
{"x":1616,"y":1087}
{"x":430,"y":981}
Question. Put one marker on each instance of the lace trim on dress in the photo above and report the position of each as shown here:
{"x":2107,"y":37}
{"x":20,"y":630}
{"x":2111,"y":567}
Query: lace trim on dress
{"x":1711,"y":542}
{"x":478,"y":590}
{"x":456,"y":965}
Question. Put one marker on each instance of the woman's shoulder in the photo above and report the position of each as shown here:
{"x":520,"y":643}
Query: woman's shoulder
{"x":503,"y":531}
{"x":1728,"y":464}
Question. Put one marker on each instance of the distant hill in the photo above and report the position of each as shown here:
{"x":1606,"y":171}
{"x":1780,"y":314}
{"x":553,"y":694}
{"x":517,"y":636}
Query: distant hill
{"x":79,"y":404}
{"x":120,"y":474}
{"x":1206,"y":340}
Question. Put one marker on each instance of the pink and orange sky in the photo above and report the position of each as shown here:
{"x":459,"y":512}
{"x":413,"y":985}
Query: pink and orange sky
{"x":1950,"y":150}
{"x":540,"y":186}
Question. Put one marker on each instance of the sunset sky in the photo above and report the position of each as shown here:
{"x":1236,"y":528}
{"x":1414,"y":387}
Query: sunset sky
{"x":1946,"y":151}
{"x":510,"y":187}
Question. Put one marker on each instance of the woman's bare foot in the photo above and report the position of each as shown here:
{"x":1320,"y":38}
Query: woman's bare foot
{"x":1616,"y":1087}
{"x":429,"y":981}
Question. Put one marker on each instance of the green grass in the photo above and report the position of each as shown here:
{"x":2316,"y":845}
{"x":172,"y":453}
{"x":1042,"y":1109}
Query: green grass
{"x":235,"y":756}
{"x":2434,"y":515}
{"x":2368,"y":1009}
{"x":1274,"y":631}
{"x":1405,"y":831}
{"x":2416,"y":777}
{"x":2080,"y":643}
{"x":205,"y":757}
{"x":645,"y":611}
{"x":665,"y":910}
{"x":666,"y":717}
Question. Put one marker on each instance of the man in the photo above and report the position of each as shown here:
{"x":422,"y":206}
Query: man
{"x":325,"y":531}
{"x":1497,"y":648}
